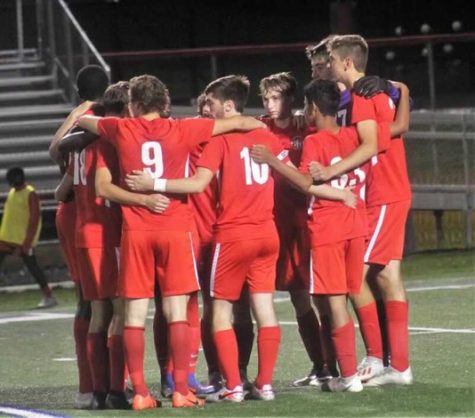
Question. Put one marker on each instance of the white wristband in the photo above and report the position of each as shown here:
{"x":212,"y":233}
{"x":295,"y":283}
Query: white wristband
{"x":160,"y":185}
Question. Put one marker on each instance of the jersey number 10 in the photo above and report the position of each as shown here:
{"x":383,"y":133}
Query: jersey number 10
{"x":254,"y":172}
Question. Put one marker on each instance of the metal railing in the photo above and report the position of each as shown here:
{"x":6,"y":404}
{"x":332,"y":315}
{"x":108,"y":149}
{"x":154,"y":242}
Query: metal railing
{"x":65,"y":44}
{"x":60,"y":41}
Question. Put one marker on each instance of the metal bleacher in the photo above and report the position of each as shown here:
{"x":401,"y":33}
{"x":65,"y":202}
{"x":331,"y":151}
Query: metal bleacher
{"x":37,"y":89}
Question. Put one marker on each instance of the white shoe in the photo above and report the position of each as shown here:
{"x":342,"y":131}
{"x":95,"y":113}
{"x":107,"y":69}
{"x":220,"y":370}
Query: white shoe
{"x":47,"y":302}
{"x":343,"y":384}
{"x":227,"y":395}
{"x":391,"y":376}
{"x":83,"y":400}
{"x":369,"y":368}
{"x":266,"y":393}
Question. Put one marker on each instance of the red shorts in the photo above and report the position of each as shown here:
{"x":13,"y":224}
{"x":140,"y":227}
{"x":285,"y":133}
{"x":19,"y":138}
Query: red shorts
{"x":66,"y":229}
{"x":98,"y":272}
{"x":386,"y":226}
{"x":238,"y":262}
{"x":337,"y":268}
{"x":292,"y":264}
{"x":165,"y":255}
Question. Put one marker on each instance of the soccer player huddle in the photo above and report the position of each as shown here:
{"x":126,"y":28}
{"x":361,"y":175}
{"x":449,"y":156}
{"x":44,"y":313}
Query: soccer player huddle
{"x":236,"y":206}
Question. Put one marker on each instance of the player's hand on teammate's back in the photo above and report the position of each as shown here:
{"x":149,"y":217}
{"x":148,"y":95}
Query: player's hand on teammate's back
{"x":371,"y":85}
{"x":157,"y":202}
{"x":318,"y":171}
{"x":139,"y":181}
{"x":260,"y":154}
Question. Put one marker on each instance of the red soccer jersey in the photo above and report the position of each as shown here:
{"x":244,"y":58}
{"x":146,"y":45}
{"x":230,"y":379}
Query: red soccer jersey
{"x":162,"y":148}
{"x":97,"y":222}
{"x":290,"y":204}
{"x":204,"y":204}
{"x":388,"y":180}
{"x":331,"y":221}
{"x":246,"y":189}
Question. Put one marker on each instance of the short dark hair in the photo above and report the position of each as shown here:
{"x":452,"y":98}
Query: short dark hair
{"x":325,"y":94}
{"x":285,"y":82}
{"x":92,"y":82}
{"x":116,"y":98}
{"x":231,"y":87}
{"x":354,"y":46}
{"x":15,"y":175}
{"x":148,"y":92}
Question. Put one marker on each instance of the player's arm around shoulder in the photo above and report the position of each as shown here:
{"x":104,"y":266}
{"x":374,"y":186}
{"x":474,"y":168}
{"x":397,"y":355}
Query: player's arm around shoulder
{"x":401,"y":123}
{"x":64,"y":188}
{"x":107,"y":190}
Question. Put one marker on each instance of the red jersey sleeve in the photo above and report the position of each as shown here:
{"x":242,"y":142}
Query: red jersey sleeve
{"x":108,"y":127}
{"x":310,"y":152}
{"x":213,"y":153}
{"x":365,"y":109}
{"x":196,"y":130}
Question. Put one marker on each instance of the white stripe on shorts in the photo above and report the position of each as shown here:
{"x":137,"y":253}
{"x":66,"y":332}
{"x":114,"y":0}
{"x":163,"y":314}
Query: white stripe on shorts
{"x":310,"y":290}
{"x":376,"y":232}
{"x":213,"y":269}
{"x":194,"y":260}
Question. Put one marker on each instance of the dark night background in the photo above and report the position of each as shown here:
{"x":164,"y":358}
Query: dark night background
{"x":131,"y":25}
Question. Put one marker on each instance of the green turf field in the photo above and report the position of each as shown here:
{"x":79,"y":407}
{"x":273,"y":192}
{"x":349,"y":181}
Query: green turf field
{"x":37,"y":368}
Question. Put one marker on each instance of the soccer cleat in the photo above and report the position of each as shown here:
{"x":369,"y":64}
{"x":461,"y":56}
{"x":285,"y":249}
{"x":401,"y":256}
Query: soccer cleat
{"x":98,"y":401}
{"x":197,"y":388}
{"x":47,"y":302}
{"x":190,"y":400}
{"x":227,"y":395}
{"x":167,"y":385}
{"x":369,"y":368}
{"x":117,"y":400}
{"x":343,"y":384}
{"x":216,"y":380}
{"x":391,"y":376}
{"x":266,"y":393}
{"x":83,"y":400}
{"x":314,"y":378}
{"x":145,"y":402}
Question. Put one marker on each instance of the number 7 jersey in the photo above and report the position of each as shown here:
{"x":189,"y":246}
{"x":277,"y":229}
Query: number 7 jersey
{"x":246,"y":189}
{"x":160,"y":147}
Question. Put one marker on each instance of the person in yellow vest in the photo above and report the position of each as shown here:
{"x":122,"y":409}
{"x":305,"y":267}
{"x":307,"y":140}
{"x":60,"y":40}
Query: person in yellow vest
{"x":21,"y":227}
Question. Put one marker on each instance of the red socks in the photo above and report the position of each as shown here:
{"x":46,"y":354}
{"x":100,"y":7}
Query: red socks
{"x":98,"y":357}
{"x":398,"y":333}
{"x":179,"y":348}
{"x":116,"y":363}
{"x":268,"y":340}
{"x":345,"y":348}
{"x":193,"y":314}
{"x":80,"y":330}
{"x":370,"y":330}
{"x":227,"y":350}
{"x":309,"y":329}
{"x":134,"y":347}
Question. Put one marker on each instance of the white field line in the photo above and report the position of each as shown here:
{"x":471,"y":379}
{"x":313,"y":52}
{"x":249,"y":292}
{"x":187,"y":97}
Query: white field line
{"x":25,"y":413}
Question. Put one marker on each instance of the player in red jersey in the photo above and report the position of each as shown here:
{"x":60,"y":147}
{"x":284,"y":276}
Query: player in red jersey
{"x":161,"y":147}
{"x":388,"y":197}
{"x":336,"y":231}
{"x":290,"y":211}
{"x":91,"y":83}
{"x":245,"y":239}
{"x":97,"y":238}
